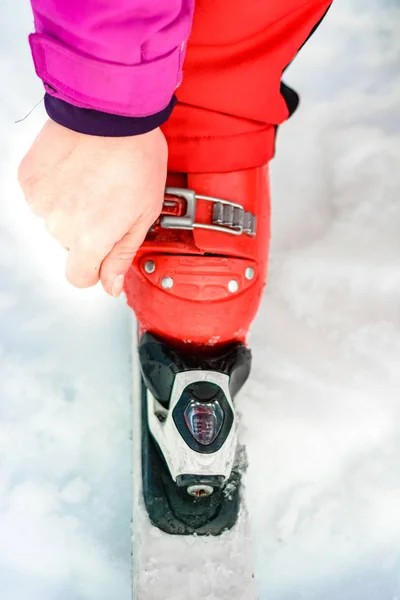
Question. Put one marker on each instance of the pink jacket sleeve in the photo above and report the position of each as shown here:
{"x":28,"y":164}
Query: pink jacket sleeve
{"x":118,"y":56}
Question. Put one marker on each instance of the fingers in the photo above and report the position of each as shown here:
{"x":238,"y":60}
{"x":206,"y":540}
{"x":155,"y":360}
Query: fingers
{"x":55,"y":225}
{"x":82,"y":271}
{"x":86,"y":251}
{"x":117,"y":262}
{"x":84,"y":261}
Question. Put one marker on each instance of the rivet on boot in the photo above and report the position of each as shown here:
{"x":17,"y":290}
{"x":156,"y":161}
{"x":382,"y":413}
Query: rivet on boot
{"x":150,"y":266}
{"x":233,"y":286}
{"x":249,"y":273}
{"x":167,"y":283}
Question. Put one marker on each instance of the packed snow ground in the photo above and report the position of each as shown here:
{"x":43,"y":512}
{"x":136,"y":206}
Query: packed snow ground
{"x":321,"y":414}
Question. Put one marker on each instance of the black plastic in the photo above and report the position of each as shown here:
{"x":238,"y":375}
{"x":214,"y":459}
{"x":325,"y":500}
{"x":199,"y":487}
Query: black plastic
{"x":215,"y":481}
{"x":169,"y":506}
{"x":160,"y":362}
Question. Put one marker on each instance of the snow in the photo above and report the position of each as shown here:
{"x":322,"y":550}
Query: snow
{"x":321,"y":413}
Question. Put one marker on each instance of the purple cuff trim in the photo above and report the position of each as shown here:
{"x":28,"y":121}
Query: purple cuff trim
{"x":93,"y":122}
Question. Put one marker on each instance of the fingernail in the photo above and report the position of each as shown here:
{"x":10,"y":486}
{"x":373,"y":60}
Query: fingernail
{"x":117,"y":286}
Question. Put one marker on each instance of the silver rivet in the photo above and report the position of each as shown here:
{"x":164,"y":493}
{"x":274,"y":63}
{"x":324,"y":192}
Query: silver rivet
{"x":233,"y":286}
{"x":249,"y":273}
{"x":167,"y":283}
{"x":150,"y":266}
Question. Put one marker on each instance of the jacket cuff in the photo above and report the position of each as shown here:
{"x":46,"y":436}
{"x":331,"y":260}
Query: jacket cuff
{"x":127,"y":90}
{"x":93,"y":122}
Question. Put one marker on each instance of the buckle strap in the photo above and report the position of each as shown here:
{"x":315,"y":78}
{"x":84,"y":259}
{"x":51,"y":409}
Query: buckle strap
{"x":227,"y":217}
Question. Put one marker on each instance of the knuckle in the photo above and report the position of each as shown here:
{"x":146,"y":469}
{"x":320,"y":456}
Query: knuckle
{"x":51,"y":223}
{"x":87,"y":242}
{"x":57,"y":226}
{"x":93,"y":243}
{"x":39,"y":206}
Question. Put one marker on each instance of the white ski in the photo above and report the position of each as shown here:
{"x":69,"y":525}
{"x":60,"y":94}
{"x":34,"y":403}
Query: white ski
{"x":178,"y":567}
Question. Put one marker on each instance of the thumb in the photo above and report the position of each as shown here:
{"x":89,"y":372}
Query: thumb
{"x":117,"y":262}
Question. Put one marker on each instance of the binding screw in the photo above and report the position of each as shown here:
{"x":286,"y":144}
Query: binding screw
{"x":200,"y":491}
{"x":233,"y":286}
{"x":150,"y":266}
{"x":167,"y":283}
{"x":249,"y":273}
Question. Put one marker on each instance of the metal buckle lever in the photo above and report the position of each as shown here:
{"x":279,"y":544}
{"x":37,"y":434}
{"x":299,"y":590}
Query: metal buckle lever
{"x":228,"y":217}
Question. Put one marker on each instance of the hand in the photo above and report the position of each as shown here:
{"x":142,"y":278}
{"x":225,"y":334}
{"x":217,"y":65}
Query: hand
{"x":98,"y":197}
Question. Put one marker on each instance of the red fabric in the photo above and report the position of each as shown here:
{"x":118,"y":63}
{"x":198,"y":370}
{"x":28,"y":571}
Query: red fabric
{"x":230,"y":100}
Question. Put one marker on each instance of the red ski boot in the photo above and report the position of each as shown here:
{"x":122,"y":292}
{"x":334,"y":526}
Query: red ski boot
{"x":195,"y":286}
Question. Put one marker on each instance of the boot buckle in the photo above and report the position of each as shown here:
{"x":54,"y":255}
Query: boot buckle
{"x":227,"y":217}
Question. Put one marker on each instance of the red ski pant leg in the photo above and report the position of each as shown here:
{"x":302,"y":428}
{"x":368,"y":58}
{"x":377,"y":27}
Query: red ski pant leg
{"x":230,"y":101}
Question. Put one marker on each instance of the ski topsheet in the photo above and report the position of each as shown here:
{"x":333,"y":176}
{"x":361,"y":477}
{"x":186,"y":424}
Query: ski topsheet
{"x":183,"y":567}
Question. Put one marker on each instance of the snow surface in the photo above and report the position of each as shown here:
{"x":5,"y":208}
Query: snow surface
{"x":321,"y":414}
